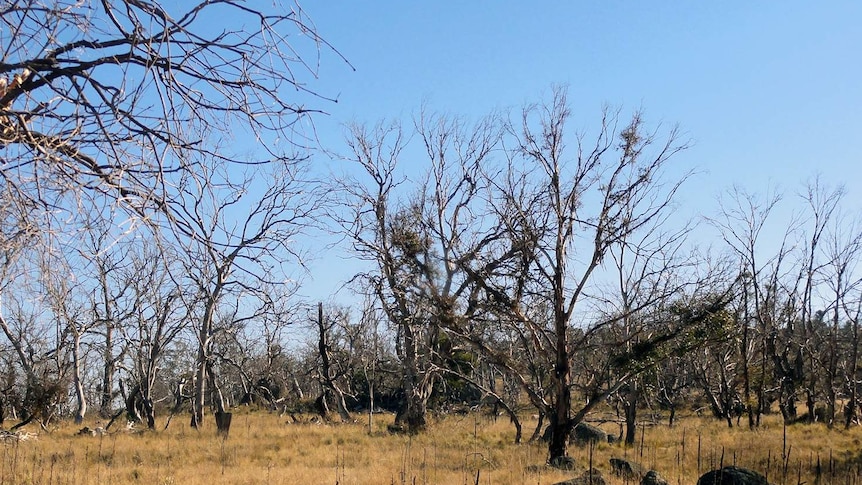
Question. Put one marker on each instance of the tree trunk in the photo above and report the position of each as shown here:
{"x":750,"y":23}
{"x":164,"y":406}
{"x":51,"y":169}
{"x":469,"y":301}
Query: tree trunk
{"x":415,"y":384}
{"x":559,"y":438}
{"x":832,"y":370}
{"x":850,"y":409}
{"x":133,"y":413}
{"x":80,"y":397}
{"x":327,"y":382}
{"x":370,"y":381}
{"x":561,"y":422}
{"x":201,"y":373}
{"x":538,"y":431}
{"x":198,"y":400}
{"x":108,"y":373}
{"x":743,"y":353}
{"x":411,"y":417}
{"x":217,"y":398}
{"x":631,"y":410}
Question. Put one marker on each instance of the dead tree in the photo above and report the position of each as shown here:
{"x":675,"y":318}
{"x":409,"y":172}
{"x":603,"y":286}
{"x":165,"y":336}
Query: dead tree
{"x":328,"y":382}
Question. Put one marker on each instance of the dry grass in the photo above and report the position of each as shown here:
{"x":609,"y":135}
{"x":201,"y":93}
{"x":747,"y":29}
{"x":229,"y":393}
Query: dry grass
{"x":264,"y":449}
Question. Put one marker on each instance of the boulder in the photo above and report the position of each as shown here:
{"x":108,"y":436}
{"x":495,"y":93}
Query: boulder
{"x":732,"y":475}
{"x":589,"y":477}
{"x":563,"y":463}
{"x":653,"y":478}
{"x":585,"y":433}
{"x":627,"y":470}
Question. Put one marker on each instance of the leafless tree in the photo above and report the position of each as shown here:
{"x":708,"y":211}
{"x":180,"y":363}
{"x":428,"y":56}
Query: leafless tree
{"x":419,"y":247}
{"x":650,"y":269}
{"x":767,"y":292}
{"x":107,"y":99}
{"x":330,"y":372}
{"x":564,"y":210}
{"x":150,"y":317}
{"x":111,"y":108}
{"x":67,"y":308}
{"x":843,"y":247}
{"x":38,"y":340}
{"x":241,"y":237}
{"x":822,"y":204}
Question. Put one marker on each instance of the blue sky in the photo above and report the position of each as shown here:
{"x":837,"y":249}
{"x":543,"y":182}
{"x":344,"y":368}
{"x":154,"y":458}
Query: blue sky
{"x":768,"y":92}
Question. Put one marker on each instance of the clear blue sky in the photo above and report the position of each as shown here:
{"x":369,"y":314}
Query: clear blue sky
{"x":770,"y":93}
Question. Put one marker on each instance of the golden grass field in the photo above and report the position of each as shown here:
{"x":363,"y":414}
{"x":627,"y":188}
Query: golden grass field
{"x":264,"y":448}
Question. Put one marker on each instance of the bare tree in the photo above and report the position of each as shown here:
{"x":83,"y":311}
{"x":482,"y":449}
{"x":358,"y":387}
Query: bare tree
{"x":39,"y":343}
{"x":241,"y":237}
{"x":587,"y":203}
{"x":822,"y":204}
{"x":152,"y":318}
{"x":743,"y":219}
{"x":116,"y":104}
{"x":843,"y":247}
{"x":420,"y":248}
{"x":109,"y":98}
{"x":649,"y":270}
{"x":68,"y":310}
{"x":328,"y":372}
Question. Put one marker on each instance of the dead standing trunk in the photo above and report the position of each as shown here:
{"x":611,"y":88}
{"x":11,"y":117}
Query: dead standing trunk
{"x":199,"y":398}
{"x":631,"y":411}
{"x":327,"y":381}
{"x":108,"y":369}
{"x":850,"y":409}
{"x":203,"y":375}
{"x":416,"y":387}
{"x":561,"y":422}
{"x":80,"y":396}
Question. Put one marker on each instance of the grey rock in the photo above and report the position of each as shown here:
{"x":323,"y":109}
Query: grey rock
{"x":589,"y":477}
{"x":732,"y":475}
{"x":626,"y":469}
{"x":585,"y":433}
{"x":653,"y":478}
{"x":563,"y":463}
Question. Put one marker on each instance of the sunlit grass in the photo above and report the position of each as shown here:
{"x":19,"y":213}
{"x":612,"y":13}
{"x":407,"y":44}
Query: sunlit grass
{"x":265,"y":448}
